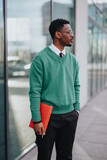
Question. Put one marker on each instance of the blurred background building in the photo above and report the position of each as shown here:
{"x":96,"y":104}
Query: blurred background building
{"x":27,"y":34}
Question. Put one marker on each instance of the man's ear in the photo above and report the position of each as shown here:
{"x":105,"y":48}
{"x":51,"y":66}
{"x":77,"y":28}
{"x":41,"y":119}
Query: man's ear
{"x":57,"y":34}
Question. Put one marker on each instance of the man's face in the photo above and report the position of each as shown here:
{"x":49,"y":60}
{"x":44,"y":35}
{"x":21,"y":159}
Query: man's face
{"x":66,"y":35}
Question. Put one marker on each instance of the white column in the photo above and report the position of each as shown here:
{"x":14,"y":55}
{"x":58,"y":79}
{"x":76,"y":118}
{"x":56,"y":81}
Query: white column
{"x":81,"y":46}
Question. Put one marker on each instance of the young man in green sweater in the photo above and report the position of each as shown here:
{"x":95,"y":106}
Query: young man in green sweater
{"x":54,"y":81}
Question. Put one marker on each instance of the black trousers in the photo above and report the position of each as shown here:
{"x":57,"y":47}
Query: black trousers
{"x":61,"y":130}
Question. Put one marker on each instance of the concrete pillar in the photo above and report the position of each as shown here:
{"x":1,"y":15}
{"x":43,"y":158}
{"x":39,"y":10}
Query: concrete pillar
{"x":81,"y":46}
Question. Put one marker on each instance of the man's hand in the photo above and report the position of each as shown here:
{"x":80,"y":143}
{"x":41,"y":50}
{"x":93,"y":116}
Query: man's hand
{"x":39,"y":129}
{"x":77,"y":111}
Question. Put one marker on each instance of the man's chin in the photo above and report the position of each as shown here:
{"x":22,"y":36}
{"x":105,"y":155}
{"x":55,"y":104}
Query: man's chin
{"x":69,"y":45}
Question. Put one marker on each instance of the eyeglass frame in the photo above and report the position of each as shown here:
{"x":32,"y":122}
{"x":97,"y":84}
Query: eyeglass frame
{"x":69,"y":32}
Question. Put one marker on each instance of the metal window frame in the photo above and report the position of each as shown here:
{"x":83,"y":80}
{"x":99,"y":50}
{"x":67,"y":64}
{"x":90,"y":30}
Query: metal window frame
{"x":96,"y":24}
{"x":6,"y":106}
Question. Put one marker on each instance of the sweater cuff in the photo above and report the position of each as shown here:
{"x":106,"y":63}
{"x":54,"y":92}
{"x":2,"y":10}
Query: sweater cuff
{"x":37,"y":122}
{"x":77,"y":106}
{"x":36,"y":116}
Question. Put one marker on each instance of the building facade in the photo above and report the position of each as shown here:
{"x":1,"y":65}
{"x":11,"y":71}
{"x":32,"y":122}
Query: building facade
{"x":23,"y":33}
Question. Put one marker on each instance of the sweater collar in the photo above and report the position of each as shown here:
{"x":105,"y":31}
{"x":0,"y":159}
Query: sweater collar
{"x":55,"y":55}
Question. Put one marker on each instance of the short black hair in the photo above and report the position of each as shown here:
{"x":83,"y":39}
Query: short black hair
{"x":56,"y":25}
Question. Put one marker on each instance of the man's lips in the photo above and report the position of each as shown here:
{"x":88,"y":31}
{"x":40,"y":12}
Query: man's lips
{"x":71,"y":40}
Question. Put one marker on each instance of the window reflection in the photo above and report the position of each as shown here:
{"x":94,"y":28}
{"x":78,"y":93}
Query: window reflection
{"x":105,"y":59}
{"x":90,"y":46}
{"x":98,"y":11}
{"x":97,"y":53}
{"x":27,"y":25}
{"x":94,"y":70}
{"x":92,"y":11}
{"x":97,"y":49}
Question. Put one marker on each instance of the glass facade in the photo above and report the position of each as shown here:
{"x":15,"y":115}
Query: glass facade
{"x":98,"y":11}
{"x":27,"y":28}
{"x":97,"y":49}
{"x":2,"y":120}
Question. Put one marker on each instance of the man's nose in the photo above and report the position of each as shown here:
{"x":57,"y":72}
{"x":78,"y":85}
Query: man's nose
{"x":72,"y":36}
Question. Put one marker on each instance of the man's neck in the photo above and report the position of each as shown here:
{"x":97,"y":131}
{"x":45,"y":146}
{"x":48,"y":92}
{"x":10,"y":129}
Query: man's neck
{"x":60,"y":47}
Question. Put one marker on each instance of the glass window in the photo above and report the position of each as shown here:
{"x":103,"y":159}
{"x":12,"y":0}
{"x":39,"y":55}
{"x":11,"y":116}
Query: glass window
{"x":94,"y":73}
{"x":104,"y":60}
{"x":68,"y":7}
{"x":105,"y":13}
{"x":97,"y":37}
{"x":100,"y":60}
{"x":97,"y":53}
{"x":98,"y":11}
{"x":99,"y":17}
{"x":27,"y":24}
{"x":90,"y":58}
{"x":105,"y":22}
{"x":92,"y":11}
{"x":2,"y":129}
{"x":97,"y":50}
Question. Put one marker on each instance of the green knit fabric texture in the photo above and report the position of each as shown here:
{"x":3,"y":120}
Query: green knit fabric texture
{"x":54,"y":81}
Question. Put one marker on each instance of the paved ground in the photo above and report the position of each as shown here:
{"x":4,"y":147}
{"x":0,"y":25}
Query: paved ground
{"x":91,"y":135}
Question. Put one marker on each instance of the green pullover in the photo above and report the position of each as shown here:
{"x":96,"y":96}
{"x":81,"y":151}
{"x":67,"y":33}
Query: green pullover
{"x":54,"y":81}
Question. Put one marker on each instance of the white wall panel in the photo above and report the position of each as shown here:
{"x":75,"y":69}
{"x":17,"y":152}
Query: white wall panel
{"x":81,"y":46}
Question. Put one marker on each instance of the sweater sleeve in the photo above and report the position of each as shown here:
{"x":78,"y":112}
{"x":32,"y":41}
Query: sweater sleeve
{"x":77,"y":89}
{"x":36,"y":81}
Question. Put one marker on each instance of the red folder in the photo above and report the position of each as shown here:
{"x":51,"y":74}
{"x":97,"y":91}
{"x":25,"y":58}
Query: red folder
{"x":45,"y":111}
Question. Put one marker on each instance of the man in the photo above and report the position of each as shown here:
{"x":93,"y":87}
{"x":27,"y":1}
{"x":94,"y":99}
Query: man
{"x":54,"y":81}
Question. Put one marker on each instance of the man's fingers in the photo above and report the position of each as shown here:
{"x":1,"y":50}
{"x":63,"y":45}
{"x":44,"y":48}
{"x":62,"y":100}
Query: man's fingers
{"x":42,"y":130}
{"x":39,"y":128}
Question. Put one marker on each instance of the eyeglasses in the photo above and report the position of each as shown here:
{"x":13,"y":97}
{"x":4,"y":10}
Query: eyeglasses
{"x":69,"y":32}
